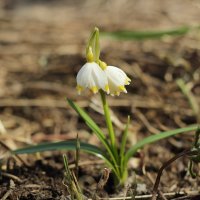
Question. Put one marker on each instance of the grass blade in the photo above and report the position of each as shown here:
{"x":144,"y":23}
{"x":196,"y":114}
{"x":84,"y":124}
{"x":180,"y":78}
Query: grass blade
{"x":77,"y":155}
{"x":142,"y":35}
{"x":191,"y":98}
{"x":94,"y":127}
{"x":67,"y":145}
{"x":90,"y":123}
{"x":71,"y":182}
{"x":157,"y":137}
{"x":63,"y":145}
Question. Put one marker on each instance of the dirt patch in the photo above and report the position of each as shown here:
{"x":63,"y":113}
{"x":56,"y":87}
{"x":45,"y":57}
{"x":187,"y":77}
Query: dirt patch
{"x":41,"y":50}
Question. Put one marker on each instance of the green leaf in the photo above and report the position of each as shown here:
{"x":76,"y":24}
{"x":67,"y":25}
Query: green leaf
{"x":63,"y":145}
{"x":157,"y":137}
{"x":66,"y":145}
{"x":142,"y":35}
{"x":88,"y":120}
{"x":94,"y":127}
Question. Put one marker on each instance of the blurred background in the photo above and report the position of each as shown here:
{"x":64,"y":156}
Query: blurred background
{"x":42,"y":47}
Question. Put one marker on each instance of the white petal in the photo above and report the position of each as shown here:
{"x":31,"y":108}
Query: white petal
{"x":117,"y":79}
{"x":91,"y":76}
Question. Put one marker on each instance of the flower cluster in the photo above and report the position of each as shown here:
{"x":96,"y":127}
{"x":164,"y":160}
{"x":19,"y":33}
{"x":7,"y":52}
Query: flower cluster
{"x":96,"y":75}
{"x":100,"y":76}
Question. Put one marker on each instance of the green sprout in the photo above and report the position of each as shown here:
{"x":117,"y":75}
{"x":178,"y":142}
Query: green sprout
{"x":71,"y":182}
{"x":97,"y":76}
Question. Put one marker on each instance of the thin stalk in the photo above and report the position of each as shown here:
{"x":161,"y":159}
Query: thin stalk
{"x":191,"y":171}
{"x":191,"y":98}
{"x":164,"y":166}
{"x":108,"y":119}
{"x":110,"y":132}
{"x":93,"y":126}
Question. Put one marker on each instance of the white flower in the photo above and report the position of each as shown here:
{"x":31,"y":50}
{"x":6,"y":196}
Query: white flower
{"x":93,"y":77}
{"x":117,"y":79}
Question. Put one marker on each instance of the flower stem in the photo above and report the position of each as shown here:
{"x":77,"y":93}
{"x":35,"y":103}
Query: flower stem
{"x":108,"y":119}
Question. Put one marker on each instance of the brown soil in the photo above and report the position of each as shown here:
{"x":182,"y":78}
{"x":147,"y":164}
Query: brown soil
{"x":41,"y":50}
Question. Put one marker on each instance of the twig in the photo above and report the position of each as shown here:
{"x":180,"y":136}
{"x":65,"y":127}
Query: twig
{"x":8,"y":193}
{"x":96,"y":106}
{"x":16,"y":156}
{"x":37,"y":103}
{"x":37,"y":186}
{"x":103,"y":180}
{"x":152,"y":181}
{"x":165,"y":165}
{"x":183,"y":198}
{"x":2,"y":129}
{"x":12,"y":177}
{"x":146,"y":123}
{"x":137,"y":103}
{"x":148,"y":196}
{"x":89,"y":162}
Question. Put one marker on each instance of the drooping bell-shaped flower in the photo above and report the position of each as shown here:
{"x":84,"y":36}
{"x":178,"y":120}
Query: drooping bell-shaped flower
{"x":117,"y":79}
{"x":93,"y":77}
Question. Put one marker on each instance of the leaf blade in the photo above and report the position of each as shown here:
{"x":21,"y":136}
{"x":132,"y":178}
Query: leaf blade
{"x":62,"y":145}
{"x":88,"y":120}
{"x":157,"y":137}
{"x":66,"y":145}
{"x":142,"y":35}
{"x":95,"y":128}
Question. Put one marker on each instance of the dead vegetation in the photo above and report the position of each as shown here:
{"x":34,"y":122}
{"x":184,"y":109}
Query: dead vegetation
{"x":41,"y":50}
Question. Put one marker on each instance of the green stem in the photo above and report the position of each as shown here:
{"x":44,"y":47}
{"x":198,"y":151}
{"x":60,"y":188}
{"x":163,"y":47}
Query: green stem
{"x":107,"y":112}
{"x":110,"y":129}
{"x":108,"y":119}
